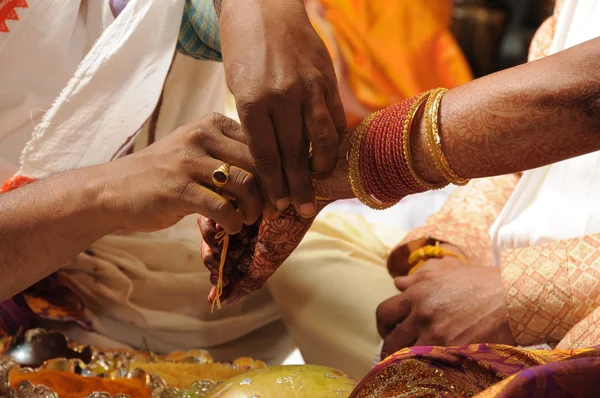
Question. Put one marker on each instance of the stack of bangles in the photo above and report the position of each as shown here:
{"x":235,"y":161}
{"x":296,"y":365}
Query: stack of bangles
{"x":380,"y":164}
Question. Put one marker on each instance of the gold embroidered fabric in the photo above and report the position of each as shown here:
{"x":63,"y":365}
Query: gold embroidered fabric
{"x":585,"y":334}
{"x":551,"y":288}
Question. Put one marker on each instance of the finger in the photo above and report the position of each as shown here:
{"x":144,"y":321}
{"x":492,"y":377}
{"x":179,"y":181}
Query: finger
{"x":234,"y":150}
{"x":270,"y":212}
{"x":294,"y":156}
{"x":322,"y":134}
{"x":335,"y":106}
{"x":223,"y":139}
{"x":404,"y":335}
{"x":258,"y":128}
{"x":230,"y":128}
{"x":200,"y":200}
{"x":212,"y":294}
{"x":391,"y":312}
{"x":242,"y":187}
{"x":404,"y":282}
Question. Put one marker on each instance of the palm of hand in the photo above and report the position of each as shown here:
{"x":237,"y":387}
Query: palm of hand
{"x":258,"y":250}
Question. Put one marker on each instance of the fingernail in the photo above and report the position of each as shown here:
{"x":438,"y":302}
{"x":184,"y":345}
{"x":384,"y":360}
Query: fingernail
{"x":212,"y":295}
{"x":274,"y":216}
{"x":307,"y":209}
{"x":282,"y":204}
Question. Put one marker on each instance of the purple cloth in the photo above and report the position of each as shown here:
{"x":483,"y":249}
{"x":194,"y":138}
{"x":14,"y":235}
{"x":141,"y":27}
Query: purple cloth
{"x":15,"y":314}
{"x":117,"y":6}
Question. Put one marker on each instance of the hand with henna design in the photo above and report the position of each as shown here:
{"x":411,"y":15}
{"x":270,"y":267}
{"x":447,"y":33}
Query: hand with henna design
{"x":258,"y":250}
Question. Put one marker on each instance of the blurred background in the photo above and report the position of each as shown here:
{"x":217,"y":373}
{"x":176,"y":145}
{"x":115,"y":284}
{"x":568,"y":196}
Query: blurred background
{"x":495,"y":34}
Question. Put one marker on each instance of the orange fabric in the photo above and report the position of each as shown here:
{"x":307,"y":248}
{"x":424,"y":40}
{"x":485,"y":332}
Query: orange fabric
{"x":15,"y":182}
{"x":387,"y":51}
{"x":8,"y":12}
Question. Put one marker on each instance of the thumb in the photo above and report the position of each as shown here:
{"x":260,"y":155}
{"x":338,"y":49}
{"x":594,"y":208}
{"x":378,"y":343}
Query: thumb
{"x":397,"y":262}
{"x":404,"y":282}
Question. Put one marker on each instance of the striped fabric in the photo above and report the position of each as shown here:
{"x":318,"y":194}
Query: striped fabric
{"x":199,"y":32}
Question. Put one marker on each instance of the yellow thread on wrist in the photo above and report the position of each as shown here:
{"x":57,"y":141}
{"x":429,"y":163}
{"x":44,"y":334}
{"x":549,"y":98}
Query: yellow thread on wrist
{"x":418,"y":257}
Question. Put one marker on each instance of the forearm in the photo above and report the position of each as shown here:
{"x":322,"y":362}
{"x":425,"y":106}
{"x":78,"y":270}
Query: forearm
{"x":519,"y":119}
{"x":47,"y":223}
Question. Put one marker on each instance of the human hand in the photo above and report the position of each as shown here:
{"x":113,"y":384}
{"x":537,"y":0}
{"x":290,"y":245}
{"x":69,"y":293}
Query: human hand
{"x":284,"y":83}
{"x":158,"y":186}
{"x":447,"y":306}
{"x":255,"y":254}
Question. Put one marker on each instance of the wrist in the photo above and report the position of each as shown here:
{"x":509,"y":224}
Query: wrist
{"x":454,"y":249}
{"x":101,"y":194}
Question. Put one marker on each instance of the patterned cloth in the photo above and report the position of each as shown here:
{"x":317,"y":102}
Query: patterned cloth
{"x":199,"y":33}
{"x":484,"y":371}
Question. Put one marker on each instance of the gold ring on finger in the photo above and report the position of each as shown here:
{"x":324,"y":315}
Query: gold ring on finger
{"x":221,"y":175}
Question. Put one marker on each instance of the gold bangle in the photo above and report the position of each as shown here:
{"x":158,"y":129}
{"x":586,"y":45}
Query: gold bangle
{"x":434,"y":141}
{"x":406,"y":144}
{"x":354,"y":177}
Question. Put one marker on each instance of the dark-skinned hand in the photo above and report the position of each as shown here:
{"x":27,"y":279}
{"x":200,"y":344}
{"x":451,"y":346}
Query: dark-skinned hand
{"x":286,"y":93}
{"x":445,"y":304}
{"x":172,"y":178}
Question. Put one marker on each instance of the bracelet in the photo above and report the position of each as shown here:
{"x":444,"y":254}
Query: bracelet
{"x":379,"y":158}
{"x":383,"y":166}
{"x":406,"y":128}
{"x":354,"y":177}
{"x":434,"y":142}
{"x":418,"y":257}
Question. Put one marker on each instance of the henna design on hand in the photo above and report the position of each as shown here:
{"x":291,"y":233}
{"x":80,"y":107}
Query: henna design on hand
{"x":258,"y":250}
